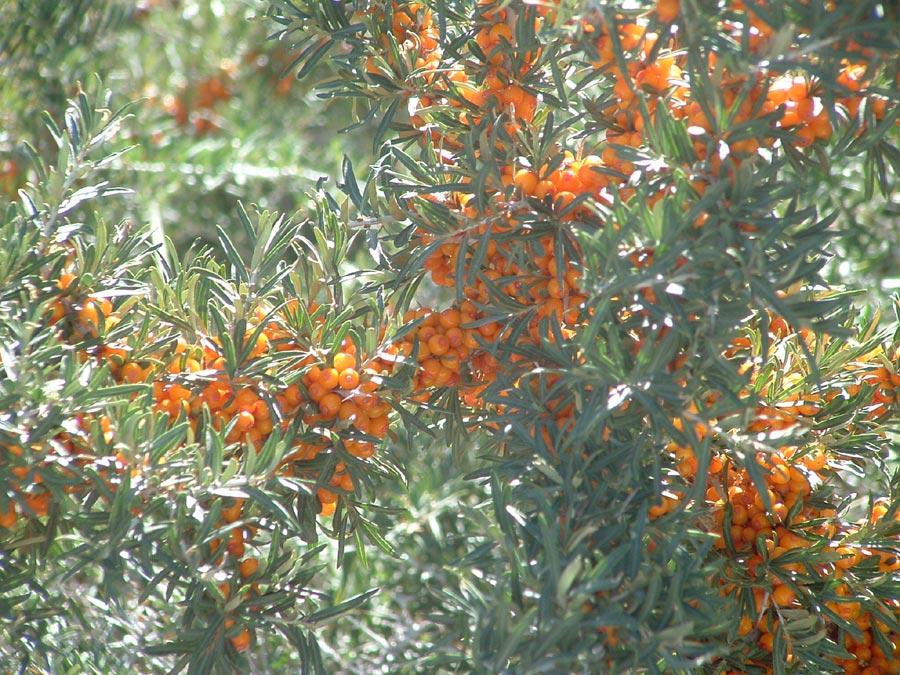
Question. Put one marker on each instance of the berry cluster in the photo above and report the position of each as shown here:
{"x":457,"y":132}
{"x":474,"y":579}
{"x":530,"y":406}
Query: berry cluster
{"x":194,"y":106}
{"x":448,"y":350}
{"x":515,"y":244}
{"x":330,"y":402}
{"x":788,"y":552}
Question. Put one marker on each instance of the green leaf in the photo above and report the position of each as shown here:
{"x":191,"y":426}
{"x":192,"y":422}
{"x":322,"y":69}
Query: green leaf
{"x":327,"y":614}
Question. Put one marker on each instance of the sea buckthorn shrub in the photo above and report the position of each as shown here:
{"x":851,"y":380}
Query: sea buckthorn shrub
{"x":178,"y":433}
{"x":598,"y":276}
{"x":610,"y":214}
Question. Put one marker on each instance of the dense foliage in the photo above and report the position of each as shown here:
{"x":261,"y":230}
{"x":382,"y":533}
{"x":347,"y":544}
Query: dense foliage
{"x":587,"y":371}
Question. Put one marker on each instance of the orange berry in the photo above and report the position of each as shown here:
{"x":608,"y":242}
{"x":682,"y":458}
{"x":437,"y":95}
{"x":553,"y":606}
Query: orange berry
{"x":526,"y":181}
{"x":261,"y":346}
{"x":345,"y":482}
{"x":312,"y":375}
{"x":438,"y":344}
{"x":65,"y":280}
{"x":225,"y":590}
{"x":57,"y":310}
{"x":455,"y":336}
{"x":326,"y":496}
{"x":850,"y":557}
{"x":569,"y":182}
{"x":131,"y":373}
{"x":783,"y":595}
{"x":781,"y":475}
{"x":739,"y":515}
{"x":329,"y":378}
{"x":878,"y":512}
{"x":449,"y":318}
{"x":379,"y":426}
{"x":8,"y":519}
{"x":815,"y":461}
{"x":348,"y":410}
{"x":343,"y":361}
{"x":316,"y":391}
{"x":293,"y":396}
{"x":38,"y":503}
{"x":241,"y":641}
{"x":330,"y":405}
{"x":246,"y":399}
{"x":544,"y":188}
{"x":261,"y":410}
{"x":668,"y":10}
{"x":90,"y":317}
{"x":563,"y":199}
{"x":348,"y":378}
{"x":235,"y":545}
{"x":249,"y":567}
{"x":233,"y":512}
{"x":245,"y":421}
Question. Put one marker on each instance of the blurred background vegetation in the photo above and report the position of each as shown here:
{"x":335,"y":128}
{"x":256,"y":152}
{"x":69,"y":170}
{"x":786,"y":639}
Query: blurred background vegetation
{"x":219,"y":117}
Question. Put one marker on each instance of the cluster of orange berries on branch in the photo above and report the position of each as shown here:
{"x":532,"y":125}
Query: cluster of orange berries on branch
{"x":197,"y":105}
{"x":338,"y":393}
{"x":194,"y":106}
{"x":76,"y":458}
{"x":238,"y":558}
{"x":494,"y":77}
{"x":241,"y":640}
{"x":853,"y":80}
{"x":448,"y":351}
{"x":652,"y":75}
{"x":80,"y":315}
{"x":785,"y":547}
{"x":512,"y":238}
{"x":415,"y":34}
{"x":799,"y":109}
{"x":83,"y":449}
{"x":761,"y":536}
{"x":329,"y":401}
{"x":525,"y":269}
{"x":335,"y":396}
{"x":757,"y":20}
{"x":652,"y":72}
